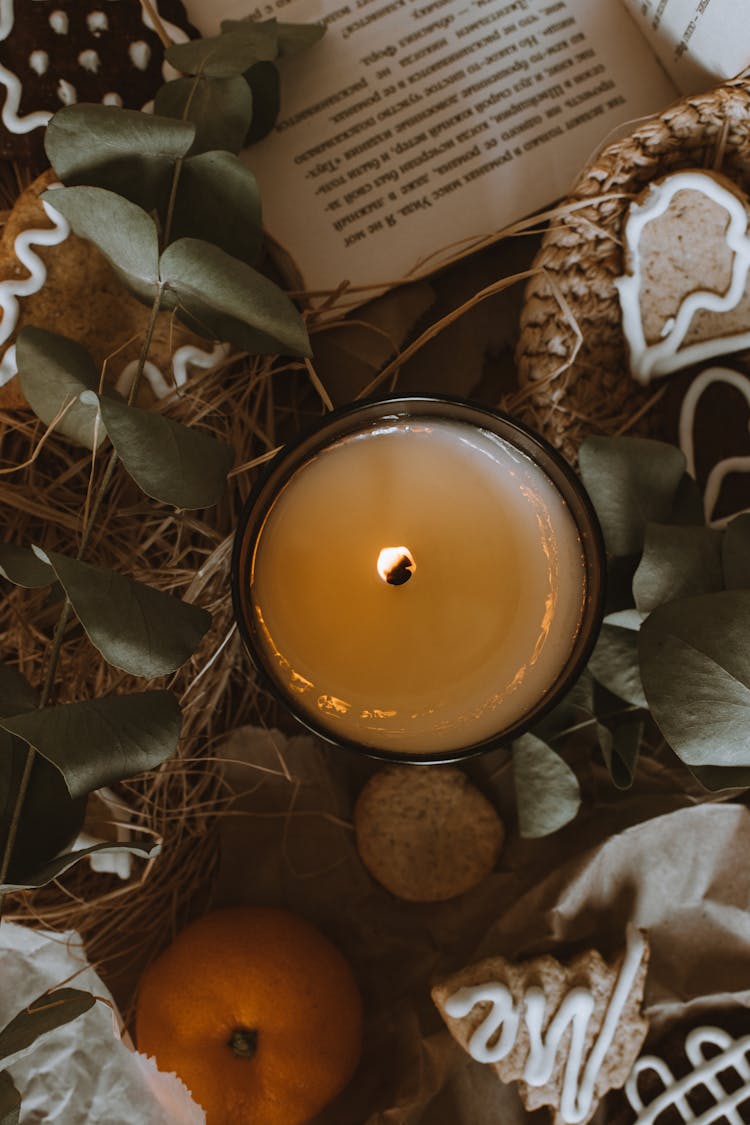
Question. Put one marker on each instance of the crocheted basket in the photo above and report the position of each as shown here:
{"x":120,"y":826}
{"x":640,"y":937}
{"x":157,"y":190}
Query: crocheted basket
{"x":571,"y":353}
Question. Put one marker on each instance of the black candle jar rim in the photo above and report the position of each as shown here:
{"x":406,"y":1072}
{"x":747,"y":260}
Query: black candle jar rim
{"x":357,"y":416}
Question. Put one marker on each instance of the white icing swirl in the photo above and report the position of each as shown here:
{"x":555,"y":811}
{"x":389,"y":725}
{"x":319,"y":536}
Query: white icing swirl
{"x":14,"y":288}
{"x":733,"y":1055}
{"x":576,"y":1009}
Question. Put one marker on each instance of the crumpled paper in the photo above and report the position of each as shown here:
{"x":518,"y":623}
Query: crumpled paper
{"x":655,"y":855}
{"x":81,"y":1073}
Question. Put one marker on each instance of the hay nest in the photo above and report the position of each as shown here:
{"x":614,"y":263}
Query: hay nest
{"x":571,"y":351}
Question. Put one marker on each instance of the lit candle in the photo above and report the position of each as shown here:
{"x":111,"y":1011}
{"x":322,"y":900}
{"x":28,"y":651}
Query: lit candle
{"x":419,"y":578}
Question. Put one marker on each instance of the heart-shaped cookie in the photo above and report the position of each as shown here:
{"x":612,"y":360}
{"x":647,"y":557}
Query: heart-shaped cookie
{"x":738,"y":386}
{"x":685,"y":296}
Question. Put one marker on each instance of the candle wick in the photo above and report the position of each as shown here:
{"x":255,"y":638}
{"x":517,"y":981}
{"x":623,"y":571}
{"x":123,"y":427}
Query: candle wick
{"x":396,"y":565}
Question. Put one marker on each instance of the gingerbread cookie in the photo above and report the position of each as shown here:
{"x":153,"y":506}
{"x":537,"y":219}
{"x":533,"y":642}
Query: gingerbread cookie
{"x":426,"y":833}
{"x":566,"y":1033}
{"x":52,"y":279}
{"x":685,"y":296}
{"x":56,"y":52}
{"x":696,"y":1074}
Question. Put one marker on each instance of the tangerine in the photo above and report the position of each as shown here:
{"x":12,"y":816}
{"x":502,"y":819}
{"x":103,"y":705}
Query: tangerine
{"x":257,"y":1012}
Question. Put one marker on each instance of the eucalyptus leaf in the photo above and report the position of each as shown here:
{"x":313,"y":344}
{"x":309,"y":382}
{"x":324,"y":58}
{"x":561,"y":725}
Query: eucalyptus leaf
{"x":43,"y":1015}
{"x":574,"y":711}
{"x":142,"y":631}
{"x":10,"y":1100}
{"x":230,"y":53}
{"x":219,"y":202}
{"x":219,"y":109}
{"x":53,"y":371}
{"x":620,"y":748}
{"x":122,"y":150}
{"x":16,"y":693}
{"x":123,"y":232}
{"x":22,"y":567}
{"x":217,"y":294}
{"x":292,"y":37}
{"x":718,"y":778}
{"x":100,"y":741}
{"x":50,"y":818}
{"x":177,"y":464}
{"x":735,"y":555}
{"x":615,"y":664}
{"x":695,"y":662}
{"x":677,"y":562}
{"x":264,"y":81}
{"x":632,"y":482}
{"x":547,"y":790}
{"x":62,"y":863}
{"x":625,"y":619}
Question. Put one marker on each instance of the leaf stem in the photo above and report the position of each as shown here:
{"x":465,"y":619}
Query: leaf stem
{"x":65,"y":612}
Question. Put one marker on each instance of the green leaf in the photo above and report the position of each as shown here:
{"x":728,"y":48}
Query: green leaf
{"x":717,"y":778}
{"x":43,"y":1015}
{"x":688,"y":503}
{"x":217,"y":294}
{"x":123,"y":232}
{"x":625,"y":619}
{"x":62,"y":863}
{"x":101,"y":741}
{"x":220,"y":110}
{"x":620,"y":749}
{"x":677,"y":562}
{"x":22,"y":567}
{"x":632,"y":482}
{"x":177,"y":464}
{"x":16,"y":693}
{"x":292,"y":37}
{"x":614,"y":663}
{"x":122,"y":150}
{"x":219,"y":202}
{"x":232,"y":52}
{"x":138,"y":629}
{"x":265,"y":86}
{"x":546,"y":788}
{"x":575,"y":709}
{"x":53,"y":371}
{"x":735,"y":555}
{"x":695,"y":662}
{"x":50,"y":818}
{"x":10,"y":1100}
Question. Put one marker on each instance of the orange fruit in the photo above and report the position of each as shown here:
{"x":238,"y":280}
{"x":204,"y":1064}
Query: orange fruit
{"x":257,"y":1012}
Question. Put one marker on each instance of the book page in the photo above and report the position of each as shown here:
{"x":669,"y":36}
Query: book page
{"x":700,"y":42}
{"x":417,"y":126}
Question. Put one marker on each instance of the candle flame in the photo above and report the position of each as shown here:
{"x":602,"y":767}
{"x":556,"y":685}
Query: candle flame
{"x":396,"y":565}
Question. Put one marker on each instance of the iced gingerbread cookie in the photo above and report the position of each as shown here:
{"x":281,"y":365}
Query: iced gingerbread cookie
{"x":700,"y":1074}
{"x":425,"y":832}
{"x":685,"y":296}
{"x":56,"y":52}
{"x":565,"y":1033}
{"x":52,"y":279}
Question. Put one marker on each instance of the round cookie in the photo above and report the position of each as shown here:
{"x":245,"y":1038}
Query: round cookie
{"x":52,"y":279}
{"x":56,"y":52}
{"x":425,"y":832}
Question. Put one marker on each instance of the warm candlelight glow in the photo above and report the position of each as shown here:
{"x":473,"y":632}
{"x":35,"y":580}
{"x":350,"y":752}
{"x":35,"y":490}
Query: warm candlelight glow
{"x":396,"y":565}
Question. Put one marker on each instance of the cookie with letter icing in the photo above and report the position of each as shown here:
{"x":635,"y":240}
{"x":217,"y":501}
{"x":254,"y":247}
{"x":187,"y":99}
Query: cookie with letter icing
{"x":685,"y":293}
{"x":56,"y":52}
{"x":52,"y":279}
{"x":699,"y":1072}
{"x":565,"y":1033}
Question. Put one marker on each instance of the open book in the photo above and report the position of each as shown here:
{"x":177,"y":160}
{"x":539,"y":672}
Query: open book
{"x":417,"y":127}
